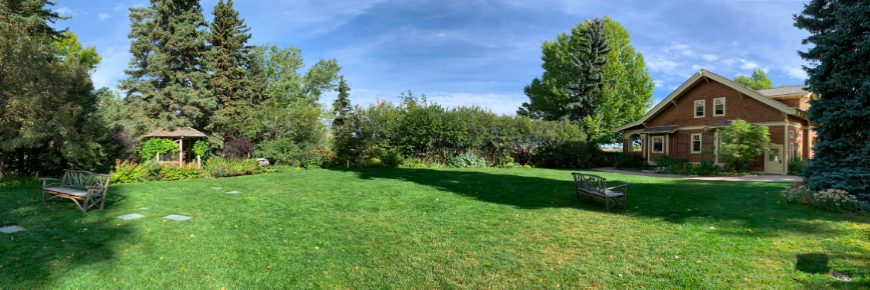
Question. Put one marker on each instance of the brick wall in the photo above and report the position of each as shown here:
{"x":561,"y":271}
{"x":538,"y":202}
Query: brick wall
{"x":745,"y":108}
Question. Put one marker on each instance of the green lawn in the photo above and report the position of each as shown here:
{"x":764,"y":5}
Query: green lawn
{"x":430,"y":229}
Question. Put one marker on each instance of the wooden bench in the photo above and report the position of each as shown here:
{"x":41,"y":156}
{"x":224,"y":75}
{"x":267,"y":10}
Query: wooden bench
{"x":596,"y":187}
{"x":84,"y":186}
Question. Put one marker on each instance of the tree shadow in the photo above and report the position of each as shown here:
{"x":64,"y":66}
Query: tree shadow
{"x":736,"y":205}
{"x":58,"y":237}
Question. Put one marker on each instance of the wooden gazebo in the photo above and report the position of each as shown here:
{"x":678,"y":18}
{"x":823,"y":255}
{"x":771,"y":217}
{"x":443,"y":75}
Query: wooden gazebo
{"x":184,"y":138}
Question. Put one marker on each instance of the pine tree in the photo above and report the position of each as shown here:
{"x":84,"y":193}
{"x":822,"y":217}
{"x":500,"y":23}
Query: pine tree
{"x":341,"y":106}
{"x":584,"y":89}
{"x":230,"y":83}
{"x":33,"y":15}
{"x":166,"y":71}
{"x":839,"y":73}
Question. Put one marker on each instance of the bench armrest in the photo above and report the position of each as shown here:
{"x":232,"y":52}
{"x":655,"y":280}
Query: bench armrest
{"x":619,"y":186}
{"x":48,"y":179}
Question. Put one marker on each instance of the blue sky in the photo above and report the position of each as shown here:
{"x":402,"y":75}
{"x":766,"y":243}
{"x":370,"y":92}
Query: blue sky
{"x":481,"y":52}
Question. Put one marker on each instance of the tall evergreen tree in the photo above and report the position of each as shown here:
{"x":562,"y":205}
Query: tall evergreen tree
{"x":624,"y":96}
{"x":839,"y":73}
{"x":33,"y":15}
{"x":167,"y":71}
{"x":227,"y":60}
{"x":585,"y":87}
{"x":341,"y":107}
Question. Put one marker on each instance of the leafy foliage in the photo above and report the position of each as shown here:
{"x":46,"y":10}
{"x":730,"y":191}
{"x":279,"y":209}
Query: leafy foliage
{"x":838,"y":74}
{"x":630,"y":161}
{"x":278,"y":151}
{"x":742,"y":142}
{"x":156,"y":145}
{"x":706,"y":167}
{"x":72,"y":51}
{"x":672,"y":165}
{"x":127,"y":172}
{"x":624,"y":96}
{"x":201,"y":148}
{"x":758,"y":80}
{"x":467,"y":160}
{"x":227,"y":167}
{"x":796,"y":165}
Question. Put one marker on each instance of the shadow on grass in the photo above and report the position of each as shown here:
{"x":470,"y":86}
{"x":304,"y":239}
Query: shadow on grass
{"x":57,"y":238}
{"x":740,"y":205}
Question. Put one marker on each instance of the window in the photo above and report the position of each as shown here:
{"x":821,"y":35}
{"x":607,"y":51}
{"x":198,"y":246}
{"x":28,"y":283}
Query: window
{"x":719,"y":107}
{"x":658,"y":144}
{"x":699,"y":109}
{"x":696,"y":143}
{"x":791,"y":134}
{"x":635,"y":142}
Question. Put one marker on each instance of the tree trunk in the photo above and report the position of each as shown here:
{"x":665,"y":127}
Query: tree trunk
{"x":3,"y":155}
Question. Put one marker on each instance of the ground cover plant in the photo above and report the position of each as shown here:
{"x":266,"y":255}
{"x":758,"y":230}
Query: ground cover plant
{"x":481,"y":228}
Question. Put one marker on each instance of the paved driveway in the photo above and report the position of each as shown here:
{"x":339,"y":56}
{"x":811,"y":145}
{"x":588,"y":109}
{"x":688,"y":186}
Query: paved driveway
{"x":756,"y":178}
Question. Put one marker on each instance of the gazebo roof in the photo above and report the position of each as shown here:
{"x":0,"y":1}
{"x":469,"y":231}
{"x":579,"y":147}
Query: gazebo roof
{"x":178,"y":133}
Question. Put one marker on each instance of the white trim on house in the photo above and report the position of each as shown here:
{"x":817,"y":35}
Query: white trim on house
{"x":703,"y":104}
{"x":695,"y":79}
{"x":653,"y":143}
{"x":700,"y":143}
{"x":723,"y":107}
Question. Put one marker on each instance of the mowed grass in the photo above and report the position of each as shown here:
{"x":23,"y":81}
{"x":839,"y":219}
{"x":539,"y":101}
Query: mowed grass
{"x":430,"y":229}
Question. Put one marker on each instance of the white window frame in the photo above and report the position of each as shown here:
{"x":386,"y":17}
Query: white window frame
{"x":631,"y":143}
{"x":791,"y":134}
{"x":692,"y":142}
{"x":653,"y":144}
{"x":714,"y":107}
{"x":703,"y":108}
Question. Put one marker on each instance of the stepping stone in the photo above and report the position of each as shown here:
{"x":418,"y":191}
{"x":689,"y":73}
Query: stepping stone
{"x":177,"y":217}
{"x":143,"y":207}
{"x":217,"y":188}
{"x":233,"y":192}
{"x":10,"y":229}
{"x":130,"y":216}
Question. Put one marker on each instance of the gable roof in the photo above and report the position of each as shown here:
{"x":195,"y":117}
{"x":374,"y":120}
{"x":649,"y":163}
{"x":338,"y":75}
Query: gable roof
{"x":704,"y":75}
{"x":784,"y":91}
{"x":188,"y":132}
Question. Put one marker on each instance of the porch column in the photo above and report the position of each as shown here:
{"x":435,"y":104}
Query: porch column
{"x":181,"y":151}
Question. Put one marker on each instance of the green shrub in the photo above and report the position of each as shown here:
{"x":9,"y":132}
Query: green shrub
{"x":563,"y":155}
{"x":673,"y":165}
{"x":316,"y":159}
{"x":156,"y":145}
{"x":796,"y":165}
{"x":278,"y":151}
{"x":201,"y":148}
{"x":467,"y":160}
{"x":601,"y":158}
{"x":226,"y":167}
{"x":374,"y":162}
{"x":630,"y":161}
{"x":742,"y":142}
{"x":128,"y":172}
{"x":707,"y":167}
{"x":834,"y":200}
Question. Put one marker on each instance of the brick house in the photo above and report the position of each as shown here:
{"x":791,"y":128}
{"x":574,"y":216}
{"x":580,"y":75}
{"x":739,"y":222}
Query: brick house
{"x":688,"y":122}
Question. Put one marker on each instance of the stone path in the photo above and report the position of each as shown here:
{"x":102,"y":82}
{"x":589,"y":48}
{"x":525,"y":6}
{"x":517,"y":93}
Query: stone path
{"x":755,"y":178}
{"x":130,"y":216}
{"x":217,"y":188}
{"x":10,"y":229}
{"x":233,"y":192}
{"x":177,"y":217}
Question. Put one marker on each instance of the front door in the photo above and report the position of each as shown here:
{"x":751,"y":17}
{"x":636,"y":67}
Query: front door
{"x":773,"y":160}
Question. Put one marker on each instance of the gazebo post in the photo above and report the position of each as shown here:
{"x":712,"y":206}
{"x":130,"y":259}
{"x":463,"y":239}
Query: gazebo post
{"x":181,"y":151}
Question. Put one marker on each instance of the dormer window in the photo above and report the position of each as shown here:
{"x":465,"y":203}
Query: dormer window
{"x":719,"y":107}
{"x":699,"y":109}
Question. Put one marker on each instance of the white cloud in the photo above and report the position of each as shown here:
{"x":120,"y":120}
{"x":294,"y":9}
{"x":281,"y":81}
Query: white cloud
{"x":111,"y":69}
{"x":797,"y":73}
{"x":66,"y":11}
{"x":680,"y":46}
{"x":103,"y":16}
{"x":697,"y":67}
{"x":659,"y":84}
{"x":661,"y":64}
{"x":506,"y":104}
{"x":709,"y":57}
{"x":747,"y":64}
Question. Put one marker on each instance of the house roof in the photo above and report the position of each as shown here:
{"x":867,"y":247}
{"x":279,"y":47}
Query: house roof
{"x":188,"y":132}
{"x":783,"y":91}
{"x":704,"y":75}
{"x":661,"y":129}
